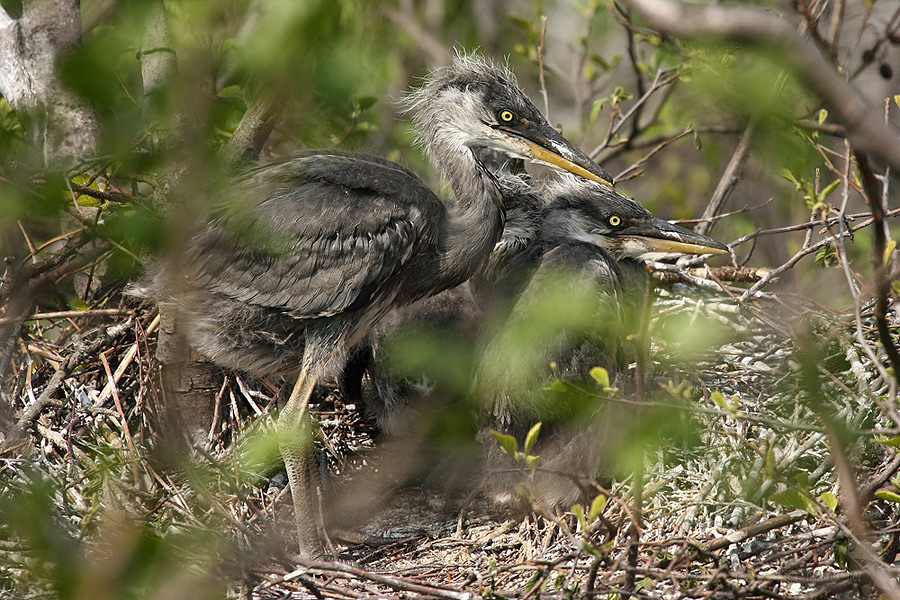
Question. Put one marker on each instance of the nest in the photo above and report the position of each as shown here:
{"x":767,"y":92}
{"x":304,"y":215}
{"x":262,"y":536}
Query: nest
{"x":766,"y":482}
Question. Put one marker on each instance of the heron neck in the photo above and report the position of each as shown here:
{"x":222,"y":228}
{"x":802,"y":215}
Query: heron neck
{"x":477,"y":217}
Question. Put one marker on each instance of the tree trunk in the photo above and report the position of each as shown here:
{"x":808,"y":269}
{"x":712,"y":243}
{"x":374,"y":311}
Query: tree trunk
{"x":59,"y":123}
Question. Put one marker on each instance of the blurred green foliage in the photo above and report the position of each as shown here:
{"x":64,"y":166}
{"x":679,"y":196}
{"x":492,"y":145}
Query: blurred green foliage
{"x":334,"y":69}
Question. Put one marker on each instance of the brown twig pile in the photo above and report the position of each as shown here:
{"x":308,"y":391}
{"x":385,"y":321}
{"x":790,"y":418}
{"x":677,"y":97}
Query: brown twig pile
{"x":749,"y":507}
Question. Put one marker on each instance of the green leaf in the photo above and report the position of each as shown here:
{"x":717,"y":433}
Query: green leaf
{"x":532,"y":437}
{"x":823,"y":116}
{"x":557,"y":386}
{"x":230,"y":91}
{"x":508,"y":443}
{"x":822,"y":195}
{"x":697,"y":143}
{"x":601,"y":376}
{"x":532,"y":462}
{"x":362,"y":103}
{"x":888,"y":495}
{"x":826,"y":257}
{"x":79,"y":305}
{"x":889,"y":251}
{"x":793,"y":499}
{"x":789,"y":175}
{"x":723,"y":402}
{"x":893,"y":442}
{"x":578,"y":511}
{"x":829,"y":500}
{"x":620,"y":95}
{"x":596,"y":107}
{"x":597,"y":507}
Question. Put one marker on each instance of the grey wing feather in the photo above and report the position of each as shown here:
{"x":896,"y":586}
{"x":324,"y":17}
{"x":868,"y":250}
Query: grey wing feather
{"x":315,"y":235}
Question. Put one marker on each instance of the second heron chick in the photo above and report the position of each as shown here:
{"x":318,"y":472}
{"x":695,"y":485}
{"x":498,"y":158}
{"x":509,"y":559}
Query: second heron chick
{"x":563,"y":286}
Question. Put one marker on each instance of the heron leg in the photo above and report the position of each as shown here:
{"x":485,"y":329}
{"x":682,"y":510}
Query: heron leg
{"x":295,"y":431}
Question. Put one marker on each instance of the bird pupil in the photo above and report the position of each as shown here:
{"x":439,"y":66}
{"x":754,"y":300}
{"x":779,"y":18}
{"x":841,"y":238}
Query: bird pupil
{"x":506,"y":115}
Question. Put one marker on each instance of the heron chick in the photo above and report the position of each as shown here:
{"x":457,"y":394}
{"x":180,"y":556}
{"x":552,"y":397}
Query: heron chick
{"x":563,"y":286}
{"x":580,"y":305}
{"x":302,"y":256}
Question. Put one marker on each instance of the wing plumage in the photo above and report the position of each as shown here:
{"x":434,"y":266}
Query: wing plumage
{"x":316,"y":234}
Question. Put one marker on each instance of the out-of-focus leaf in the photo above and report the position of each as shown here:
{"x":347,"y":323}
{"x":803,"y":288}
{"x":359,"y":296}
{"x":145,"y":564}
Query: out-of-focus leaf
{"x":794,"y":499}
{"x":888,"y":495}
{"x":826,"y":257}
{"x":829,"y":500}
{"x":893,"y":442}
{"x":597,"y":507}
{"x":532,"y":437}
{"x":601,"y":376}
{"x":508,"y":443}
{"x":362,"y":103}
{"x":889,"y":252}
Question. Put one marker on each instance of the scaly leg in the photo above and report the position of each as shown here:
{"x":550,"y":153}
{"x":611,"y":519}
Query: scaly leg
{"x":296,"y":444}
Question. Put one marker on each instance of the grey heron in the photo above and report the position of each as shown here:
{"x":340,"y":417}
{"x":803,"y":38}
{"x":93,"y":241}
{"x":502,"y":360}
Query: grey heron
{"x":305,"y":254}
{"x":579,"y":305}
{"x":583,"y":248}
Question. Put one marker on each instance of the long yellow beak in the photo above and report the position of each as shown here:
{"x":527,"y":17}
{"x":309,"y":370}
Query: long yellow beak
{"x":544,"y":155}
{"x":671,"y":246}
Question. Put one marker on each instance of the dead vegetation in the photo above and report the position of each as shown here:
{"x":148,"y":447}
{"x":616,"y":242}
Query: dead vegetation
{"x":744,"y":494}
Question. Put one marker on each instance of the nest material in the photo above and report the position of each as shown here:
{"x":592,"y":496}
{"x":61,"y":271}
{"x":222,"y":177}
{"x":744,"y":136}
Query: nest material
{"x":743,"y":501}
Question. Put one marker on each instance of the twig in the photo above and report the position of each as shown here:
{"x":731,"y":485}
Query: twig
{"x":99,"y":194}
{"x":82,"y":353}
{"x":879,"y":243}
{"x":540,"y":57}
{"x":730,"y":178}
{"x":753,"y":25}
{"x":126,"y":361}
{"x":804,"y":251}
{"x":663,"y":78}
{"x":851,"y":283}
{"x":634,"y":169}
{"x":755,"y":529}
{"x":127,"y":430}
{"x":72,"y":314}
{"x":395,"y":583}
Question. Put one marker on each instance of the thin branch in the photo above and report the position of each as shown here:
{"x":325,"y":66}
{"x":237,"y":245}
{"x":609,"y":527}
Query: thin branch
{"x":755,"y":26}
{"x":82,"y":353}
{"x":806,"y":250}
{"x":882,"y":284}
{"x":730,"y":178}
{"x":663,"y":78}
{"x":540,"y":56}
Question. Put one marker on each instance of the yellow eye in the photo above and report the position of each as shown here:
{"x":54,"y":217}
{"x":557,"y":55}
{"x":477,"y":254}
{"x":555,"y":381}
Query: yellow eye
{"x":506,"y":116}
{"x":615,"y":221}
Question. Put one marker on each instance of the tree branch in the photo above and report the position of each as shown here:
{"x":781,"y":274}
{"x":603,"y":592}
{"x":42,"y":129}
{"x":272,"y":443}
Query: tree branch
{"x":730,"y":178}
{"x":243,"y":149}
{"x":753,"y":26}
{"x":158,"y":60}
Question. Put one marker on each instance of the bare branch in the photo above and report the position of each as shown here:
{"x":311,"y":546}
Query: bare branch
{"x":247,"y":142}
{"x":158,"y":62}
{"x":750,"y":25}
{"x":730,"y":178}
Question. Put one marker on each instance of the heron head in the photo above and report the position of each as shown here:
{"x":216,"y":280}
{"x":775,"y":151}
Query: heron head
{"x":599,"y":215}
{"x":475,"y":104}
